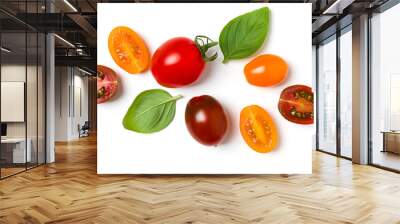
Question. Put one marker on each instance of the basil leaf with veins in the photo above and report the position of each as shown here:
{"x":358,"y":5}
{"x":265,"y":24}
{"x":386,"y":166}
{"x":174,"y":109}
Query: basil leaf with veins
{"x":151,"y":111}
{"x":245,"y":34}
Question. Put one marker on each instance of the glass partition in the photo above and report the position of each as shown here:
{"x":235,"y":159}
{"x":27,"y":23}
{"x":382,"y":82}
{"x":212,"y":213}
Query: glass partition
{"x":13,"y":95}
{"x":22,"y":77}
{"x":32,"y":96}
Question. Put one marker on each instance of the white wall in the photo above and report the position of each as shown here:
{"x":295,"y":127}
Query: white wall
{"x":80,"y":110}
{"x":71,"y":102}
{"x":12,"y":73}
{"x":62,"y":81}
{"x":16,"y":73}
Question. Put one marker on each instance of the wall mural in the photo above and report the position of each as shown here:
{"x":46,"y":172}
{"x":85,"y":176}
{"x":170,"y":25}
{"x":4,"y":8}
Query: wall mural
{"x":204,"y":88}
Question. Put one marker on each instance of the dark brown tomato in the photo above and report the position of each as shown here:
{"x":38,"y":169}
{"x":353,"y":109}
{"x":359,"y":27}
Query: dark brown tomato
{"x":206,"y":120}
{"x":296,"y":104}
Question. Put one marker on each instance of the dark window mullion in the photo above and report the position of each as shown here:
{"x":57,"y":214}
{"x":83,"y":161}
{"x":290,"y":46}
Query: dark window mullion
{"x":26,"y":87}
{"x":369,"y":90}
{"x":0,"y":96}
{"x":37,"y":90}
{"x":44,"y":71}
{"x":316,"y":115}
{"x":338,"y":73}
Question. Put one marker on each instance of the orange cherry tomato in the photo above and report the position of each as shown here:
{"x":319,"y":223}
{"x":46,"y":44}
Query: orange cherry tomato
{"x":128,"y":50}
{"x":266,"y":70}
{"x":258,"y":129}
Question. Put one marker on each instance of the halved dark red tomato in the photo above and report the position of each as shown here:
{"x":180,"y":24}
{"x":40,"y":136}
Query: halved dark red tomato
{"x":296,"y":104}
{"x":107,"y":83}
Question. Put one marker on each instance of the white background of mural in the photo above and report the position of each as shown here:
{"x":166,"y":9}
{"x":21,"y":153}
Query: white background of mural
{"x":173,"y":150}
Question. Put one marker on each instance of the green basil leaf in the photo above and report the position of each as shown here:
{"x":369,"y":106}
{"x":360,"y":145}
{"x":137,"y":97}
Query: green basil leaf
{"x":151,"y":111}
{"x":245,"y":34}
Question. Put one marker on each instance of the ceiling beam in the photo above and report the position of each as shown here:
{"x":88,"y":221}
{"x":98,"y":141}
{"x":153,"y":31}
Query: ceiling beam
{"x":332,"y":29}
{"x":47,"y":22}
{"x":81,"y":61}
{"x":338,"y":6}
{"x":320,"y":22}
{"x":84,"y":24}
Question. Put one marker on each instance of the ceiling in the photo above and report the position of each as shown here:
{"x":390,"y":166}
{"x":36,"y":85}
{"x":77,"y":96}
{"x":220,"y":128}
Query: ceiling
{"x":76,"y":20}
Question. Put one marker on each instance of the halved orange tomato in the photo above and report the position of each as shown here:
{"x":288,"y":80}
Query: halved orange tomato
{"x":258,"y":129}
{"x":128,"y":50}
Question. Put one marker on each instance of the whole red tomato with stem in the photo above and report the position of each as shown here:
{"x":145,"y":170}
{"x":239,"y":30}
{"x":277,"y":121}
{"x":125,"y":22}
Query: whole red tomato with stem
{"x":206,"y":120}
{"x":180,"y":61}
{"x":296,"y":104}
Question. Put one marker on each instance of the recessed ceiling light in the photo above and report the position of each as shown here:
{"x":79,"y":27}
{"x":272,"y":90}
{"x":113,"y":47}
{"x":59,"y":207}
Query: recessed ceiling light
{"x":70,"y":5}
{"x":337,"y":7}
{"x":84,"y":71}
{"x":64,"y":40}
{"x":5,"y":50}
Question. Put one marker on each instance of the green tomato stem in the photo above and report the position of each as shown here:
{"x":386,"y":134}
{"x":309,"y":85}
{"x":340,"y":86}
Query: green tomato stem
{"x":204,"y":43}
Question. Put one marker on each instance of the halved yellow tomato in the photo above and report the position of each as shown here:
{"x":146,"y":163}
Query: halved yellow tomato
{"x":258,"y":129}
{"x":128,"y":50}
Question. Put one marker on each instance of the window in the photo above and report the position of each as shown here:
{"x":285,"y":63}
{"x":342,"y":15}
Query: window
{"x":327,"y":96}
{"x":385,"y":89}
{"x":346,"y":93}
{"x":334,"y":106}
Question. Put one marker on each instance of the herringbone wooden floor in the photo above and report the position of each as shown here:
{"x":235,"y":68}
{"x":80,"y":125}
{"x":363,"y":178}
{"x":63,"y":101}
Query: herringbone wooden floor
{"x":69,"y":191}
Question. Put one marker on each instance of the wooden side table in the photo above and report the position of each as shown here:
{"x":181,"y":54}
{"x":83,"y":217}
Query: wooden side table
{"x":391,"y":141}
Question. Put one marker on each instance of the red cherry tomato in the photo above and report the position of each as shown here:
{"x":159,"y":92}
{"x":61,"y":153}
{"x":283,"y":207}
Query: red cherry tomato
{"x":107,"y":83}
{"x":180,"y":61}
{"x":296,"y":104}
{"x":206,"y":120}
